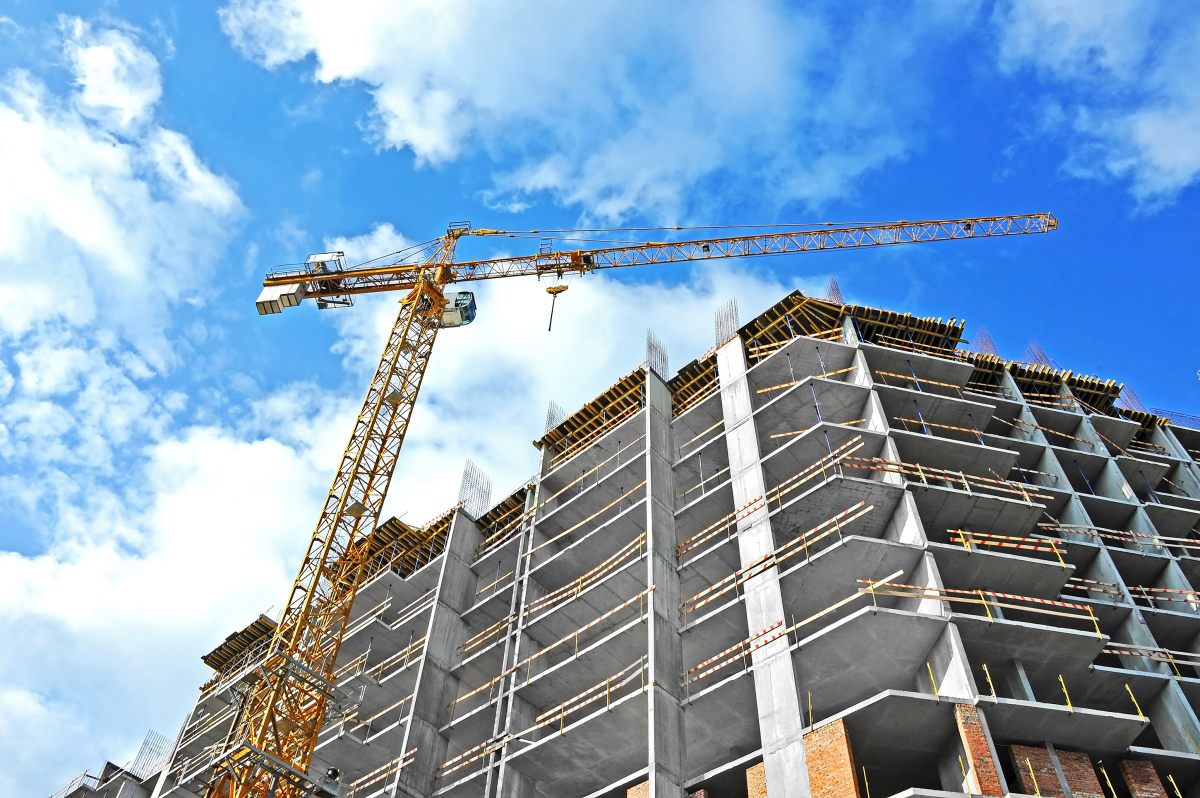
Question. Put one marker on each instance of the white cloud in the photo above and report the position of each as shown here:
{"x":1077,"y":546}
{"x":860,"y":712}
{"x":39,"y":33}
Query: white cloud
{"x":1122,"y":81}
{"x":108,"y":219}
{"x":118,"y":80}
{"x":625,"y":107}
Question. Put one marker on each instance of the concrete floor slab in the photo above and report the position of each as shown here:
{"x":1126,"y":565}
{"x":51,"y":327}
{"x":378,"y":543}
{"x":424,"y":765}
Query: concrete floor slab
{"x":1171,"y":520}
{"x":793,"y":407}
{"x":927,"y":367}
{"x":862,"y":655}
{"x":1045,"y":651}
{"x":805,"y":511}
{"x":590,"y":753}
{"x":1174,"y":630}
{"x":718,"y":727}
{"x":1118,"y":430}
{"x":1038,"y":576}
{"x":950,"y":411}
{"x":1102,"y":734}
{"x":833,"y":573}
{"x":897,"y":737}
{"x":799,"y":359}
{"x":939,"y":452}
{"x":943,"y":509}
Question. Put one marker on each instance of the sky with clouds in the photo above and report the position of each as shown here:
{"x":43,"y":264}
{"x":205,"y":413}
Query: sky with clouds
{"x":164,"y":450}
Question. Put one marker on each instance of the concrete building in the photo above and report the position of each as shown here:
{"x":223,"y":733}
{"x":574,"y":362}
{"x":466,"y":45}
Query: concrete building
{"x":837,"y":555}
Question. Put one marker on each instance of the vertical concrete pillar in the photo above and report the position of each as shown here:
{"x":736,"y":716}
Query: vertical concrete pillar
{"x":779,"y":716}
{"x":1141,"y":779}
{"x":981,"y":766}
{"x":831,"y":770}
{"x":664,"y":644}
{"x":435,"y":686}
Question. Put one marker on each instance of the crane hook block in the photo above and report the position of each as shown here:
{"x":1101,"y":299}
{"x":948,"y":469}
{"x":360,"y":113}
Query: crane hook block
{"x":460,"y":309}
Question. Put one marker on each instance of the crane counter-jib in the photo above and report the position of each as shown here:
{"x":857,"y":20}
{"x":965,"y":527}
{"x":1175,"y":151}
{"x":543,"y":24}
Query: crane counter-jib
{"x":326,"y":276}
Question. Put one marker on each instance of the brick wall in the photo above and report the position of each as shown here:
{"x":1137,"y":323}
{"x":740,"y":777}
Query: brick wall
{"x":831,"y":771}
{"x":979,"y":757}
{"x":643,"y":791}
{"x":1141,"y":779}
{"x":756,"y":781}
{"x":1081,"y":776}
{"x":1043,"y":770}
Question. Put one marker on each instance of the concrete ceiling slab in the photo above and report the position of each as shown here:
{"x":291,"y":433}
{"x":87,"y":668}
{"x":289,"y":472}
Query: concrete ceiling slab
{"x":1102,"y":734}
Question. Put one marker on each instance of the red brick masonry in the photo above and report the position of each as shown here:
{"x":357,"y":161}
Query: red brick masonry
{"x":831,"y":771}
{"x":1141,"y":779}
{"x":979,"y":758}
{"x":1043,"y":770}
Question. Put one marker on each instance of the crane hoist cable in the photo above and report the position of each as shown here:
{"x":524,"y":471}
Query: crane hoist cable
{"x":270,"y":749}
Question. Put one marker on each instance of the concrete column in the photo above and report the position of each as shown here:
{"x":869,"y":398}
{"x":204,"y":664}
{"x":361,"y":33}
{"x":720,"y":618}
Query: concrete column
{"x":1018,"y":682}
{"x":664,"y":644}
{"x":779,"y":716}
{"x":435,"y":687}
{"x":1058,"y":770}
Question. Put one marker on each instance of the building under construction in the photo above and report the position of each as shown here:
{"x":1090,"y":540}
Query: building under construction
{"x":840,"y":554}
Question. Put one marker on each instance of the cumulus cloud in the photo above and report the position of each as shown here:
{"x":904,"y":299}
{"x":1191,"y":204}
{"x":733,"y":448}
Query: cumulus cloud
{"x":108,"y":219}
{"x":624,"y":108}
{"x":118,"y":517}
{"x":1122,"y":82}
{"x":119,"y":83}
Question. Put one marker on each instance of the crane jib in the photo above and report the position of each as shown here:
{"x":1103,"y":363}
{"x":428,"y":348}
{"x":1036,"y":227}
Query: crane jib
{"x":345,"y":282}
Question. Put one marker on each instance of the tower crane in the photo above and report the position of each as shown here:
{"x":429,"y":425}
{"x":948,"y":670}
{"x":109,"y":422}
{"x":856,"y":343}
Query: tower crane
{"x":270,"y":752}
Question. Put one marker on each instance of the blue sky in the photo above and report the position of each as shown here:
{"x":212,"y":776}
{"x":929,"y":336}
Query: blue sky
{"x":163,"y":449}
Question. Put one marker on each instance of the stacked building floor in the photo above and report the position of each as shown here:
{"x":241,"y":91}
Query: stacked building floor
{"x":840,"y":554}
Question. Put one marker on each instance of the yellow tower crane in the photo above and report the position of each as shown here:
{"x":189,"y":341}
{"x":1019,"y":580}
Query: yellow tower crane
{"x":271,"y":750}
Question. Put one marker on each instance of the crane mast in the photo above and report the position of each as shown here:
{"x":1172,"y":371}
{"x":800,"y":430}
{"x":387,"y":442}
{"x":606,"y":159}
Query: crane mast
{"x":271,"y":748}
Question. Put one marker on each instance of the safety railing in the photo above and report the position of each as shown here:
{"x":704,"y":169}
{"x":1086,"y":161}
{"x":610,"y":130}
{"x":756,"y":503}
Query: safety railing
{"x":382,"y":772}
{"x":635,"y":548}
{"x":574,"y":637}
{"x":825,"y":466}
{"x":604,"y":690}
{"x":802,"y":543}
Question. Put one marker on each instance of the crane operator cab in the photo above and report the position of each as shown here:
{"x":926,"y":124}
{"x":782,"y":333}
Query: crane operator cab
{"x":460,"y":309}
